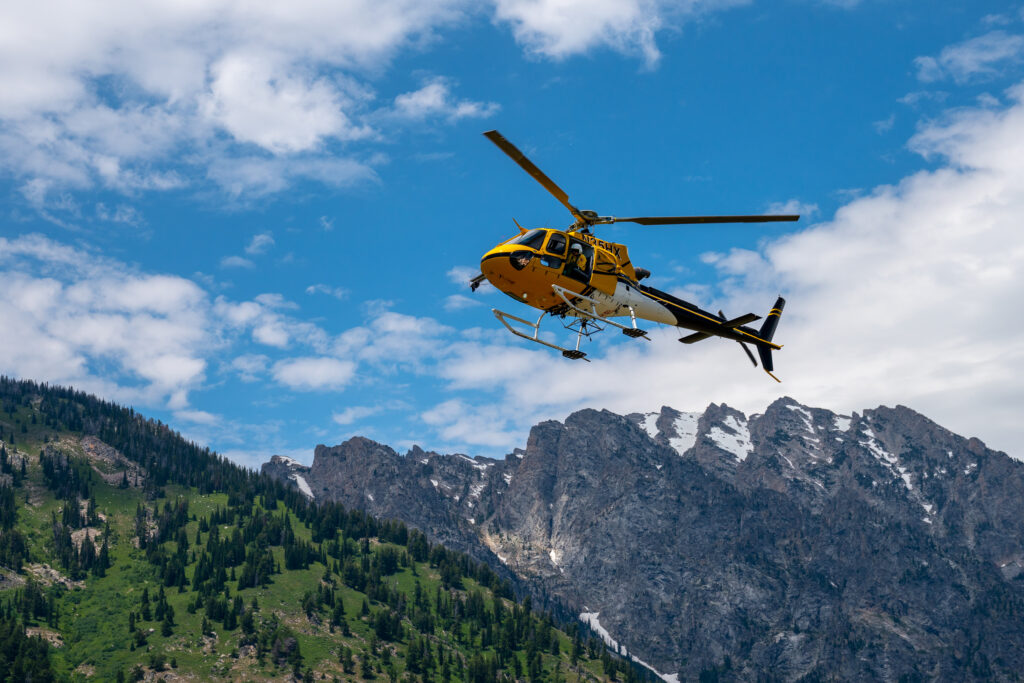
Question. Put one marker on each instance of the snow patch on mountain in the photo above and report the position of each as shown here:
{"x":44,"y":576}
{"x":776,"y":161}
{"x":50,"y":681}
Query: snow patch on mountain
{"x":590,"y":619}
{"x":302,"y":484}
{"x":650,"y":424}
{"x":736,"y":440}
{"x":805,"y":414}
{"x":686,"y":432}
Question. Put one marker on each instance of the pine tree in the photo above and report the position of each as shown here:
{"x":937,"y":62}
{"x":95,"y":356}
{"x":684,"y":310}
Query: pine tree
{"x":346,"y":661}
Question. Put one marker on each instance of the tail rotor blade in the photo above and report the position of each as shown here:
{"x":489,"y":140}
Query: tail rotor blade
{"x":749,"y":354}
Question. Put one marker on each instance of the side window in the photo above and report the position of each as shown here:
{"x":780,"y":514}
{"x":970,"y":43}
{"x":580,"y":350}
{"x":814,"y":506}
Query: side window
{"x":556,"y":245}
{"x":554,"y":251}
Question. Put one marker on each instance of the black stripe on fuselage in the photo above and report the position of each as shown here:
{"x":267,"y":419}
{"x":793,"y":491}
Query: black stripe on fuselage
{"x":694,"y":318}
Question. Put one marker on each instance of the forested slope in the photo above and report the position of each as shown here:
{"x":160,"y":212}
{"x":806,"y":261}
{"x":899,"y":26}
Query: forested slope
{"x":126,"y":551}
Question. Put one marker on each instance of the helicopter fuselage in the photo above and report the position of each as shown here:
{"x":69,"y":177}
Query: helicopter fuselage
{"x":544,"y":267}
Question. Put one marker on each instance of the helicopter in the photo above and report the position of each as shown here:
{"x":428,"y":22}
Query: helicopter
{"x":587,"y":282}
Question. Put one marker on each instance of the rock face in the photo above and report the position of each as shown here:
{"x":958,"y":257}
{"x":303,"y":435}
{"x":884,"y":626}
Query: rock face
{"x":794,"y":543}
{"x":286,"y":469}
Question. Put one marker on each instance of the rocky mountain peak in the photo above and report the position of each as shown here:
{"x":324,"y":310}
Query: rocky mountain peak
{"x":290,"y":470}
{"x":690,"y":537}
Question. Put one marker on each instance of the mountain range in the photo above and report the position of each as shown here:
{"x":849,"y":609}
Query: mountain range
{"x":793,"y":544}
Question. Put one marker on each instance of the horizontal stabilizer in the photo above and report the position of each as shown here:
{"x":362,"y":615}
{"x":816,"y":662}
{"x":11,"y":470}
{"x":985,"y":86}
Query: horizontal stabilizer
{"x":694,"y":338}
{"x":742,"y":320}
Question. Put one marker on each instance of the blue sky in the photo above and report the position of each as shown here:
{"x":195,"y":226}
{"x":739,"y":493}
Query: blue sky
{"x":256,"y":223}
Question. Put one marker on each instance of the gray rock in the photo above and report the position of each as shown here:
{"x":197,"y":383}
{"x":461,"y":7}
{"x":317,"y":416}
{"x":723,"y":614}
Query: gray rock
{"x":793,"y":544}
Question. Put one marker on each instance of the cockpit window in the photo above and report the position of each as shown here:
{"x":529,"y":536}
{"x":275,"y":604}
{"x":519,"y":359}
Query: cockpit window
{"x":556,"y":245}
{"x":533,"y":239}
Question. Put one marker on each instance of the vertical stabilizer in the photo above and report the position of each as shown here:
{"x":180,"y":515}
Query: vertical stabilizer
{"x":766,"y":333}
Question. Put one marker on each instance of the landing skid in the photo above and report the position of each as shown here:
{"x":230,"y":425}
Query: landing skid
{"x":585,"y":323}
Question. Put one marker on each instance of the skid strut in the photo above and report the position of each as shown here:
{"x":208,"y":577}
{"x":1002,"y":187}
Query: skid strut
{"x":574,"y":354}
{"x":565,"y":295}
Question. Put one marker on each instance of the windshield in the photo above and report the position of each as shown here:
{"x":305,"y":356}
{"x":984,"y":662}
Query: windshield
{"x":532,"y":239}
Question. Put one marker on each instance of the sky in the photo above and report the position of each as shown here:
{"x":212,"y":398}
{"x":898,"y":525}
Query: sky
{"x":256,"y":221}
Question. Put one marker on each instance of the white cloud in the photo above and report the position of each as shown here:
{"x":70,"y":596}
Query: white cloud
{"x":260,"y":243}
{"x":978,"y":57}
{"x":195,"y":85}
{"x":793,"y":207}
{"x":121,"y":214}
{"x":250,"y":367}
{"x":268,"y":325}
{"x":458,"y":302}
{"x":314,"y":374}
{"x":258,"y":101}
{"x":152,"y":96}
{"x":394,"y":339}
{"x":274,"y":300}
{"x":462,"y":423}
{"x":434,"y":99}
{"x":461,"y":276}
{"x":355,"y":413}
{"x":884,"y":125}
{"x":198,"y":417}
{"x":236,"y":262}
{"x":336,"y":292}
{"x":558,"y":29}
{"x":73,"y":317}
{"x":272,"y":333}
{"x":915,"y":98}
{"x":252,"y":176}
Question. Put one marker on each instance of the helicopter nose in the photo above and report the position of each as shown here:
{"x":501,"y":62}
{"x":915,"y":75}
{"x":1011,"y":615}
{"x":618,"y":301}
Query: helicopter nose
{"x":500,"y":266}
{"x":491,"y":265}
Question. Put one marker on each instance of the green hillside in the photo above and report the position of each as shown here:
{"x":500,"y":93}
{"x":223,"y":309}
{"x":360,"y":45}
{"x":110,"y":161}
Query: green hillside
{"x":126,"y":551}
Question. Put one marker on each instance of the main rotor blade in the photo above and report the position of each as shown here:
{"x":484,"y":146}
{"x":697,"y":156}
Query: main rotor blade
{"x":538,"y":175}
{"x":685,"y":220}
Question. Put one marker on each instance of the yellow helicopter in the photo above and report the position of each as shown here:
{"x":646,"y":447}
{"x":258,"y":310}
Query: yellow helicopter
{"x":586,"y":282}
